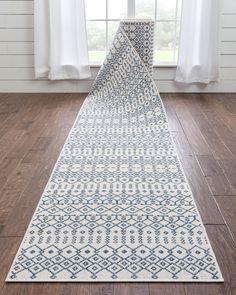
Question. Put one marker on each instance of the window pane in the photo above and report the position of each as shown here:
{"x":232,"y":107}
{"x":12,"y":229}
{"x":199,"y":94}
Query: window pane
{"x":164,"y":42}
{"x":117,"y":9}
{"x":179,"y":9}
{"x":95,"y":9}
{"x":167,"y":30}
{"x":112,"y":28}
{"x":166,"y":9}
{"x":145,"y":8}
{"x":96,"y":41}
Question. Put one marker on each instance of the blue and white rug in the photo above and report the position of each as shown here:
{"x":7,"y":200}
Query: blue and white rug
{"x":117,"y":206}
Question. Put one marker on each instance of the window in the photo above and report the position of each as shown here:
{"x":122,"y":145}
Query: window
{"x":103,"y":18}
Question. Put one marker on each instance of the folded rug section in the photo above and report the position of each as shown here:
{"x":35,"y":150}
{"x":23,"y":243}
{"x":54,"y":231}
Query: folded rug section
{"x":117,"y":206}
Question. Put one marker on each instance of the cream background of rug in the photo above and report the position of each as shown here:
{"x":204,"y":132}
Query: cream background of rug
{"x":17,"y":59}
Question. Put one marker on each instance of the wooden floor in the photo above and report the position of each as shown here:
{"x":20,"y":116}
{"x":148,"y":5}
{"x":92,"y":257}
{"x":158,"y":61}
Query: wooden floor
{"x":33,"y":128}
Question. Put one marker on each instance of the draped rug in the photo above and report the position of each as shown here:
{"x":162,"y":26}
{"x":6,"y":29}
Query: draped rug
{"x":117,"y":206}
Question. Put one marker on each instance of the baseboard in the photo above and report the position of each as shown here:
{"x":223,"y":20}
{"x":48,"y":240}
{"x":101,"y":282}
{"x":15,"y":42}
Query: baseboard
{"x":170,"y":86}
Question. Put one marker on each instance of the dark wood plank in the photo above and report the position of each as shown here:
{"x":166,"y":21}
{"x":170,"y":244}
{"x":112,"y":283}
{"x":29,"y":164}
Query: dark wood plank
{"x":167,"y":289}
{"x":31,"y":114}
{"x":224,"y":249}
{"x":101,"y":288}
{"x":30,"y":135}
{"x":227,"y":205}
{"x":219,"y":104}
{"x":13,"y":189}
{"x":229,"y":167}
{"x":8,"y":248}
{"x":22,"y":211}
{"x":182,"y":144}
{"x":131,"y":289}
{"x":7,"y":166}
{"x":64,"y":289}
{"x":220,"y":119}
{"x":193,"y":133}
{"x":197,"y":106}
{"x":15,"y":117}
{"x":8,"y":141}
{"x":201,"y":193}
{"x":204,"y":289}
{"x":214,"y":108}
{"x":13,"y":102}
{"x":3,"y":117}
{"x":227,"y":136}
{"x":219,"y":149}
{"x":215,"y":177}
{"x":223,"y":122}
{"x":36,"y":153}
{"x":231,"y":102}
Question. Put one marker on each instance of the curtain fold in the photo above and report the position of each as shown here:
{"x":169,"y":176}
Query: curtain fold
{"x":61,"y":50}
{"x":199,"y":42}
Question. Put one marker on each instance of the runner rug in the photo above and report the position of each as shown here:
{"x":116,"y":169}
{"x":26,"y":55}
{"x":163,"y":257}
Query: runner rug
{"x":117,"y":206}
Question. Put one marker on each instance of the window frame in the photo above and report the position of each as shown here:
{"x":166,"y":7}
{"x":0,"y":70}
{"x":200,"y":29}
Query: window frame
{"x":131,"y":15}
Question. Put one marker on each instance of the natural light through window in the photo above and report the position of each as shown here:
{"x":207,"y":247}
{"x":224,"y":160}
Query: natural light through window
{"x":103,"y":19}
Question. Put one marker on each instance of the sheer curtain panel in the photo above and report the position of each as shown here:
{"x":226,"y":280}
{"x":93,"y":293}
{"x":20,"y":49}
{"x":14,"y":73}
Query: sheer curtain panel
{"x":61,"y":50}
{"x":199,"y":42}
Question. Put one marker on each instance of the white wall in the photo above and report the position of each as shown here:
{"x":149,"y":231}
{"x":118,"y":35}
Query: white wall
{"x":17,"y":55}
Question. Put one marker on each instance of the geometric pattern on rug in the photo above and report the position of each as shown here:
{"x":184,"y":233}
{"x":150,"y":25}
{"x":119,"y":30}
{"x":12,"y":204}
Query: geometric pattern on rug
{"x":117,"y":206}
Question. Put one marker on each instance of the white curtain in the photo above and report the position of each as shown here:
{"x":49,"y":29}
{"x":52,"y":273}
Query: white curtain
{"x":199,"y":42}
{"x":61,"y":40}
